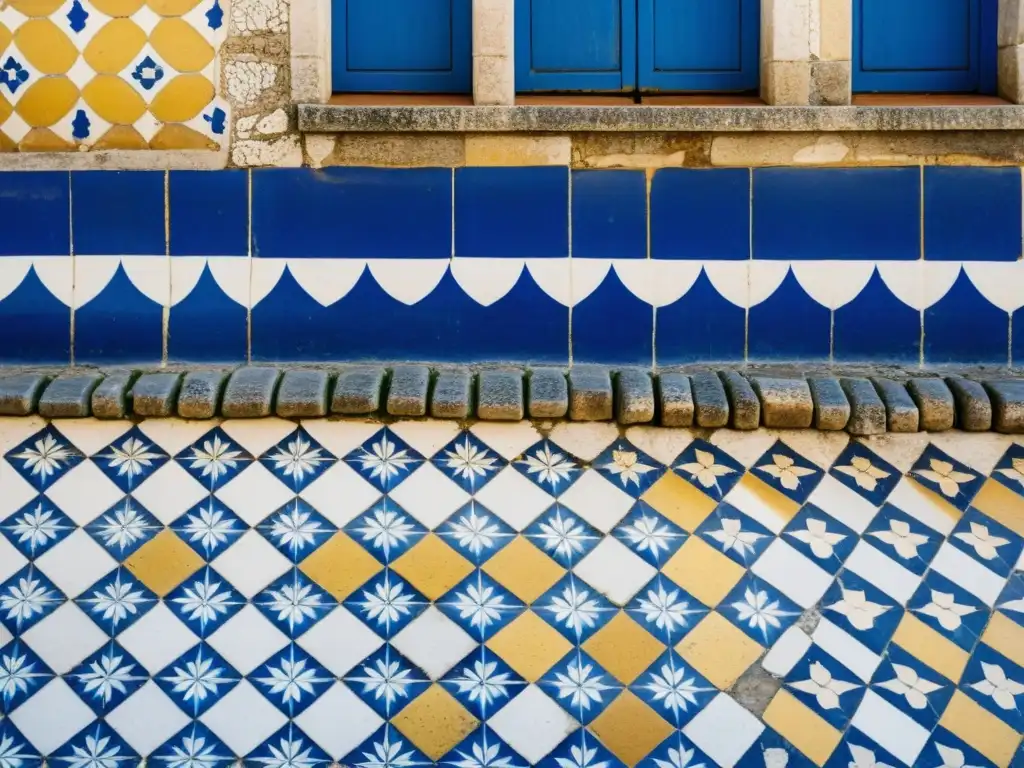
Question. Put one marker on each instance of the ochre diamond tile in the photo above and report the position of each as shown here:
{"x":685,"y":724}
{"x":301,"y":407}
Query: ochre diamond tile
{"x":924,"y":643}
{"x":805,"y":729}
{"x":703,"y":571}
{"x":980,"y":728}
{"x":432,"y":567}
{"x":524,"y":570}
{"x":682,"y":503}
{"x":163,"y":562}
{"x":630,"y":728}
{"x":435,"y":722}
{"x":624,"y":648}
{"x":530,"y":646}
{"x":719,"y":651}
{"x":1001,"y":504}
{"x":1006,"y":636}
{"x":340,"y":566}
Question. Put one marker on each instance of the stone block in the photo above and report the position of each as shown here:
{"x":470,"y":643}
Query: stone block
{"x":200,"y":394}
{"x":69,"y":396}
{"x":19,"y":394}
{"x":499,"y":395}
{"x":407,"y":393}
{"x":785,"y":403}
{"x":110,"y":400}
{"x":901,"y":412}
{"x":494,"y":80}
{"x":590,"y":393}
{"x":934,"y":402}
{"x":548,"y":393}
{"x":675,"y":400}
{"x":155,"y":394}
{"x":743,"y":403}
{"x":634,"y":402}
{"x":831,"y":406}
{"x":452,"y":397}
{"x":357,"y":391}
{"x":973,"y":407}
{"x":509,"y":150}
{"x":250,"y":393}
{"x":711,"y":406}
{"x":1007,"y":397}
{"x":867,"y":411}
{"x":302,"y":394}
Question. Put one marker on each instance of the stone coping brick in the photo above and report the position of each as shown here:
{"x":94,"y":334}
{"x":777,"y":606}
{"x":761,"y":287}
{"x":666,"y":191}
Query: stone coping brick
{"x":250,"y":392}
{"x":635,"y":401}
{"x":831,"y":405}
{"x":357,"y":390}
{"x":110,"y":400}
{"x":590,"y":394}
{"x":200,"y":394}
{"x":711,"y":406}
{"x":785,"y":403}
{"x":549,"y":394}
{"x":407,"y":393}
{"x":302,"y":394}
{"x":19,"y":394}
{"x":69,"y":397}
{"x":973,"y":407}
{"x":934,"y":403}
{"x":453,"y":395}
{"x":155,"y":394}
{"x":675,"y":400}
{"x":499,"y":396}
{"x":867,"y":411}
{"x":1007,"y":397}
{"x":746,"y":408}
{"x":901,"y":412}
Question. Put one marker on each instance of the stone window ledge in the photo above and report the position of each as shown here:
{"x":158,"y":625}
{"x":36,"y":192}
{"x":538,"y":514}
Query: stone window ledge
{"x":333,"y":118}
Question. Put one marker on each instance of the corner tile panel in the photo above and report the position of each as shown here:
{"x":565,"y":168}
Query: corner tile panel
{"x":877,"y":326}
{"x":789,"y":325}
{"x":612,"y":326}
{"x":972,"y":214}
{"x":963,"y":327}
{"x":609,"y":214}
{"x":37,"y":323}
{"x":209,"y":213}
{"x":701,"y":326}
{"x":120,"y":325}
{"x":118,"y":213}
{"x":37,"y":216}
{"x":209,"y":325}
{"x":700,"y":213}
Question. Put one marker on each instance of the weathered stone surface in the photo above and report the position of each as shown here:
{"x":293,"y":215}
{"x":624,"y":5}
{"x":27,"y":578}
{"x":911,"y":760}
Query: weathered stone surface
{"x":69,"y":396}
{"x":755,"y":689}
{"x":250,"y":393}
{"x":1007,"y":396}
{"x":785,"y":403}
{"x":590,"y":393}
{"x":675,"y":399}
{"x":499,"y":395}
{"x":548,"y":393}
{"x":110,"y":400}
{"x":634,"y":402}
{"x":200,"y":393}
{"x":867,"y":411}
{"x":973,"y":407}
{"x":831,"y":406}
{"x":452,"y":397}
{"x":745,"y":407}
{"x":407,"y":394}
{"x":358,"y":391}
{"x":934,"y":402}
{"x":19,"y":394}
{"x":154,"y":394}
{"x":901,"y":412}
{"x":711,"y":406}
{"x":302,"y":394}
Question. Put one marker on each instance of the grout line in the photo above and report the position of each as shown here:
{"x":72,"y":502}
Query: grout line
{"x":750,"y":262}
{"x":572,"y":296}
{"x":248,"y":308}
{"x":166,"y":313}
{"x":648,"y":184}
{"x":1009,"y":340}
{"x":74,"y":273}
{"x":920,"y":235}
{"x":453,"y":216}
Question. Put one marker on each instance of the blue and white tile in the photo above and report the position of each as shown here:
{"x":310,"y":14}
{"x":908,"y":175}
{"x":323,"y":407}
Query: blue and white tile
{"x":481,"y":749}
{"x":36,"y":527}
{"x":107,"y":678}
{"x":649,"y":534}
{"x":480,"y":605}
{"x":291,"y":680}
{"x":209,"y":528}
{"x":23,"y":674}
{"x":737,"y":535}
{"x":386,"y":531}
{"x":952,"y":480}
{"x":197,"y":679}
{"x":476,"y":532}
{"x":563,"y":535}
{"x":296,"y":530}
{"x":788,"y":472}
{"x":988,"y":542}
{"x":759,"y":609}
{"x":117,"y":601}
{"x":581,"y":686}
{"x":708,"y":468}
{"x":195,"y":744}
{"x":903,"y":538}
{"x":666,"y":610}
{"x":549,"y":467}
{"x":820,"y":537}
{"x":294,"y":603}
{"x":387,"y":681}
{"x":580,"y":750}
{"x":387,"y":603}
{"x":214,"y":459}
{"x":386,"y":747}
{"x":384,"y":460}
{"x":946,"y":749}
{"x":99,"y":744}
{"x":913,"y":687}
{"x":297,"y":460}
{"x":678,"y":752}
{"x":44,"y":458}
{"x":864,"y":471}
{"x":483,"y":683}
{"x":574,"y":608}
{"x":950,"y":610}
{"x":997,"y":683}
{"x":26,"y":598}
{"x":469,"y":461}
{"x":204,"y":601}
{"x":863,"y":610}
{"x":826,"y":686}
{"x":673,"y":689}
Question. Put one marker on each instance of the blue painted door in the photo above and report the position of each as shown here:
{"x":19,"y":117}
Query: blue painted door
{"x":936,"y":46}
{"x":402,"y":45}
{"x":698,"y":45}
{"x":575,"y":45}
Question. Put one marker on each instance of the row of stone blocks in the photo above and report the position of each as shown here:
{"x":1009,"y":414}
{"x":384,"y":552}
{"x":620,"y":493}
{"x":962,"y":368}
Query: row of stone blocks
{"x":712,"y":399}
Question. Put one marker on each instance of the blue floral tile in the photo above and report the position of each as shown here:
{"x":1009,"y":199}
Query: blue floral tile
{"x":130,"y":459}
{"x":17,"y":748}
{"x":294,"y":603}
{"x":296,"y":530}
{"x":291,"y":680}
{"x":387,"y":603}
{"x":483,"y":683}
{"x":194,"y":746}
{"x":649,"y":534}
{"x":288,"y":748}
{"x":709,"y":468}
{"x":862,"y":609}
{"x":997,"y":683}
{"x":674,"y":689}
{"x":949,"y":609}
{"x":36,"y":527}
{"x":387,"y":748}
{"x":574,"y":608}
{"x":988,"y":542}
{"x":1009,"y":470}
{"x":787,"y":472}
{"x":384,"y":460}
{"x":629,"y":468}
{"x":772,"y":750}
{"x":738,"y":536}
{"x":580,"y":750}
{"x":387,"y":681}
{"x":950,"y":479}
{"x":44,"y":458}
{"x":562,"y":535}
{"x":469,"y":462}
{"x":679,"y":752}
{"x":214,"y":459}
{"x":483,"y":749}
{"x":945,"y":749}
{"x":106,"y":678}
{"x":386,"y":531}
{"x":204,"y":601}
{"x":865,"y":472}
{"x":1011,"y":601}
{"x":580,"y":685}
{"x":209,"y":527}
{"x":297,"y":460}
{"x":550,"y":468}
{"x":912,"y":687}
{"x":95,"y":745}
{"x":123,"y":528}
{"x":760,"y":610}
{"x":117,"y":601}
{"x":480,"y":605}
{"x":821,"y":537}
{"x":197,"y":679}
{"x":856,"y":749}
{"x":666,"y":610}
{"x":26,"y":599}
{"x":826,"y":686}
{"x":476,"y":532}
{"x":903,"y":538}
{"x":22,"y":673}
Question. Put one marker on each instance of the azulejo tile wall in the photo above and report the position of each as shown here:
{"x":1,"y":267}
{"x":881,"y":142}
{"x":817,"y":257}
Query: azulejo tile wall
{"x":111,"y":74}
{"x":294,"y":595}
{"x":514,"y":264}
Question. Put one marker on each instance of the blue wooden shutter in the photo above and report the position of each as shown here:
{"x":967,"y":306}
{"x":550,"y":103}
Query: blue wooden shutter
{"x":698,"y":45}
{"x":402,"y":45}
{"x":925,"y":45}
{"x":575,"y":45}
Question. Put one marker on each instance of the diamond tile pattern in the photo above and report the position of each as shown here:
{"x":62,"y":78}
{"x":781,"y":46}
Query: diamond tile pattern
{"x":482,"y":610}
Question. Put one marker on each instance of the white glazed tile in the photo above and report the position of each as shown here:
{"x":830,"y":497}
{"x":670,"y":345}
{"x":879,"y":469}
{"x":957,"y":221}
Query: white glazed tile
{"x":339,"y":641}
{"x":911,"y":498}
{"x":597,"y":501}
{"x":513,"y":498}
{"x":754,"y":506}
{"x":966,"y":572}
{"x":846,"y":649}
{"x":243,"y":718}
{"x":433,"y":642}
{"x":340,"y":437}
{"x":76,"y":563}
{"x":258,"y":436}
{"x":340,"y":494}
{"x":64,"y":638}
{"x":17,"y":492}
{"x":724,"y":730}
{"x":786,"y":569}
{"x":254,"y":493}
{"x":147,"y":719}
{"x":17,"y":429}
{"x":429,"y":495}
{"x":890,"y":728}
{"x":584,"y":440}
{"x":52,"y":716}
{"x":157,"y":639}
{"x":175,"y":435}
{"x":665,"y":445}
{"x":744,"y":447}
{"x":844,"y":504}
{"x":884,"y":572}
{"x":338,"y":721}
{"x":250,"y":564}
{"x":787,"y":651}
{"x":84,"y":493}
{"x":247,"y":639}
{"x":91,"y":436}
{"x":508,"y":440}
{"x":615,"y":570}
{"x":532,"y":724}
{"x":11,"y":560}
{"x":170,"y":492}
{"x":426,"y":437}
{"x":980,"y":451}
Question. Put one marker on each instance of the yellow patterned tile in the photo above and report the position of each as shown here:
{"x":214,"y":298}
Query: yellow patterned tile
{"x":180,"y":137}
{"x":940,"y":503}
{"x":703,"y":571}
{"x":340,"y":566}
{"x":182,"y":99}
{"x":163,"y":562}
{"x":435,"y":722}
{"x":524,"y":570}
{"x":630,"y":728}
{"x":36,"y":8}
{"x":47,"y":101}
{"x":679,"y":501}
{"x":44,"y":140}
{"x":719,"y":651}
{"x":804,"y":729}
{"x":768,"y":506}
{"x":432,"y":567}
{"x":181,"y":45}
{"x":114,"y":100}
{"x":117,"y":8}
{"x":45,"y":46}
{"x":924,"y":643}
{"x":530,"y":646}
{"x":5,"y":37}
{"x":1001,"y":504}
{"x":624,"y":648}
{"x":121,"y":137}
{"x":115,"y":46}
{"x":1006,"y":636}
{"x":5,"y":109}
{"x":981,"y":729}
{"x":172,"y":7}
